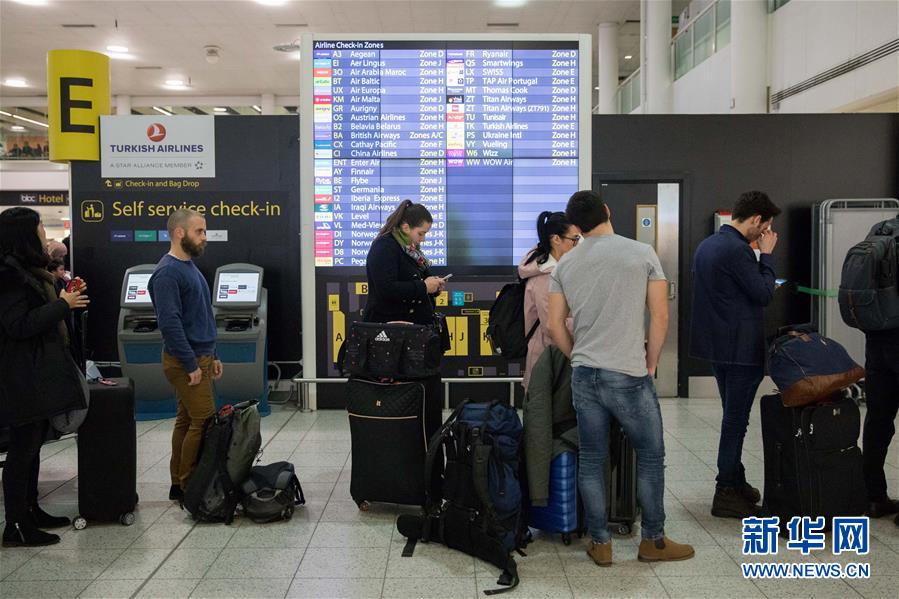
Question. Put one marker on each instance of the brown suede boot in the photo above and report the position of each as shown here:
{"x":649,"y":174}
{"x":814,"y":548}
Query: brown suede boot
{"x":663,"y":550}
{"x":601,"y":553}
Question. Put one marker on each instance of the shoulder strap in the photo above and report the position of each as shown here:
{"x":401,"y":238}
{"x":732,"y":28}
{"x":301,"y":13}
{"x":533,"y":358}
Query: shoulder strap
{"x":434,"y":444}
{"x":230,"y":489}
{"x":300,"y":499}
{"x":533,"y":330}
{"x":480,"y":461}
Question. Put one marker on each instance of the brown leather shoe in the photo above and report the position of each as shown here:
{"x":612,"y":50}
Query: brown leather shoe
{"x":601,"y":553}
{"x":663,"y":550}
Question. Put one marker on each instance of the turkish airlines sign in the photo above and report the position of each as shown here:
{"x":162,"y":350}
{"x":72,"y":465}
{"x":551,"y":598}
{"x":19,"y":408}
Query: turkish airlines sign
{"x":157,"y":146}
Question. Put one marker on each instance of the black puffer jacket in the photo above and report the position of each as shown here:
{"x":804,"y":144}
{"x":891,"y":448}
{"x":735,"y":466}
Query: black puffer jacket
{"x":38,"y":377}
{"x":396,"y":286}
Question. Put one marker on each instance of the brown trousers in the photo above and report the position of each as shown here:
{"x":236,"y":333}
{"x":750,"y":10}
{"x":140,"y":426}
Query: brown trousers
{"x":195,"y":405}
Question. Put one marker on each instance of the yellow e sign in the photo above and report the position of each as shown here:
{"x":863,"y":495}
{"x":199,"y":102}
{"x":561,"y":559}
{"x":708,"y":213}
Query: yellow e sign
{"x":77,"y":94}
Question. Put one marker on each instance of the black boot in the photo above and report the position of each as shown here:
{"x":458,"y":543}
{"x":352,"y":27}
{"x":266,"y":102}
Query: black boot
{"x":42,"y":519}
{"x":25,"y":534}
{"x":175,"y":493}
{"x":881,"y":507}
{"x":750,"y":493}
{"x":732,"y":503}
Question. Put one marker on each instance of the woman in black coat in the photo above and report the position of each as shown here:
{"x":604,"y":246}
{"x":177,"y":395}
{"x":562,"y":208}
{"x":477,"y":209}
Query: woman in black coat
{"x":38,"y":378}
{"x":400,"y":283}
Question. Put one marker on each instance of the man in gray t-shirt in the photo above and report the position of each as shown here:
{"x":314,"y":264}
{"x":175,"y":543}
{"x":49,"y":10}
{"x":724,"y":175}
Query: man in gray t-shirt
{"x":606,"y":283}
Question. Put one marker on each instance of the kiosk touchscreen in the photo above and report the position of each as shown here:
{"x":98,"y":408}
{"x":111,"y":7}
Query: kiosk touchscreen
{"x":240,"y":305}
{"x":140,"y":346}
{"x":134,"y":291}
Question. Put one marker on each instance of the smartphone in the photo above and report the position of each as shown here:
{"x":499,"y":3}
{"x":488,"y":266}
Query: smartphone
{"x":779,"y":282}
{"x":449,"y":276}
{"x":74,"y":285}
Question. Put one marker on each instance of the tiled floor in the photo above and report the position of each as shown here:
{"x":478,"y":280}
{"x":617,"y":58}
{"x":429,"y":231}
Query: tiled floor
{"x":330,"y":549}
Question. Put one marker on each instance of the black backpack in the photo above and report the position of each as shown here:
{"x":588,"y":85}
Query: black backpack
{"x":869,"y":287}
{"x":481,"y":510}
{"x":505,"y":327}
{"x":231,"y":441}
{"x":272,"y":493}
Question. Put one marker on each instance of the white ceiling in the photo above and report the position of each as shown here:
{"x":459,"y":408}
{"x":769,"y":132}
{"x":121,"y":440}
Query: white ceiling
{"x":172,"y":35}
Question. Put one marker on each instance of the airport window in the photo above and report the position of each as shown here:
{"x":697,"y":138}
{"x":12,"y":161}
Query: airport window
{"x":23,"y":133}
{"x":722,"y":24}
{"x":704,"y":35}
{"x":683,"y":53}
{"x":776,"y":4}
{"x":629,"y":93}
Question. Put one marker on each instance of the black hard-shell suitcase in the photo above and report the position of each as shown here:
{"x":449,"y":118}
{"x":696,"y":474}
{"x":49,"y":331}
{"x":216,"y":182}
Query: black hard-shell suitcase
{"x":621,"y":481}
{"x":813,"y":465}
{"x":107,"y":456}
{"x":389,"y":441}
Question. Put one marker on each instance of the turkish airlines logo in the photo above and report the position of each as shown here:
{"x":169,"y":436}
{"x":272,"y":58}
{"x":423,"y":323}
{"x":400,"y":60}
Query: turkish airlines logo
{"x":156,"y":132}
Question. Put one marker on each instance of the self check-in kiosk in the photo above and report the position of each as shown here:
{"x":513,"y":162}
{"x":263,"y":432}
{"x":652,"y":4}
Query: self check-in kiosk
{"x":140,"y":347}
{"x":240,"y":305}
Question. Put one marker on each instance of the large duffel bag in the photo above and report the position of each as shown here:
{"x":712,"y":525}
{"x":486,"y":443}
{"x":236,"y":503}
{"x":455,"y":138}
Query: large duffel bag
{"x":392,"y":350}
{"x":808,"y":367}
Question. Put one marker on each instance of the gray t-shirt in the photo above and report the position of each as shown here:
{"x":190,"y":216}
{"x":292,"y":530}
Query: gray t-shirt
{"x":604,"y":282}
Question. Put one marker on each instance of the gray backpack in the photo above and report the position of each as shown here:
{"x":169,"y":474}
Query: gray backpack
{"x":272,"y":493}
{"x":231,"y":442}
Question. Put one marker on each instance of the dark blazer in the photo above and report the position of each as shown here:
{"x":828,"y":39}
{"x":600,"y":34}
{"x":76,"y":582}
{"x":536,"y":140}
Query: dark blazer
{"x":38,"y":377}
{"x":396,"y":287}
{"x":730,"y":290}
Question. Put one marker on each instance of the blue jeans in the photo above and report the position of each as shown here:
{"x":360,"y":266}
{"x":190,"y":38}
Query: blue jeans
{"x":737,"y":385}
{"x":600,"y":396}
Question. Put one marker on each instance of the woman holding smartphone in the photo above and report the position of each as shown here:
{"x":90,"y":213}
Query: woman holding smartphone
{"x":38,"y":377}
{"x":400,"y":283}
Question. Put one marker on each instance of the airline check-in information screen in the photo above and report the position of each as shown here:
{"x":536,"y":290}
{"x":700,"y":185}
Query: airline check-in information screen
{"x":485,"y":134}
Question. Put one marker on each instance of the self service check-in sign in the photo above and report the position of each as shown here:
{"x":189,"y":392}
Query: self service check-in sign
{"x":157,"y":146}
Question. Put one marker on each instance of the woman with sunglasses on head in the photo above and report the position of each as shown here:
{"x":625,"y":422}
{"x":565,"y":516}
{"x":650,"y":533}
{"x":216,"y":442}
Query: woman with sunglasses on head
{"x":38,"y":377}
{"x":555,"y":237}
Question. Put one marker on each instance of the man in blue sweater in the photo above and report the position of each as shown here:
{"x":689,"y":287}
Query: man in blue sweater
{"x":731,"y":288}
{"x":183,"y":307}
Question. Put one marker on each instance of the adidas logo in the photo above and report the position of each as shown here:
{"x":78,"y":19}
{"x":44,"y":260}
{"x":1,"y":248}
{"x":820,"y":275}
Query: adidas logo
{"x":382,"y":336}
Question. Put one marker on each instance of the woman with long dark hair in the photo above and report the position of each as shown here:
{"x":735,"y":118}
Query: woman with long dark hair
{"x":38,"y":377}
{"x":555,"y":237}
{"x":400,"y":283}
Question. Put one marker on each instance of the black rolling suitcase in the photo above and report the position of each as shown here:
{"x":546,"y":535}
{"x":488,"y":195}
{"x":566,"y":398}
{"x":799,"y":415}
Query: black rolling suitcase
{"x":107,"y":456}
{"x":813,"y":465}
{"x":621,"y":481}
{"x":389,"y":441}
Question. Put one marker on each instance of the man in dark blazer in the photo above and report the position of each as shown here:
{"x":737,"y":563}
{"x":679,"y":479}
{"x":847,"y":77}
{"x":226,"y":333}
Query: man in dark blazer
{"x":731,"y":287}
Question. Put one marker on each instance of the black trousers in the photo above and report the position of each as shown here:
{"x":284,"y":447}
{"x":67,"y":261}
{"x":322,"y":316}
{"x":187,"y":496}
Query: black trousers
{"x":882,"y":397}
{"x":23,"y":463}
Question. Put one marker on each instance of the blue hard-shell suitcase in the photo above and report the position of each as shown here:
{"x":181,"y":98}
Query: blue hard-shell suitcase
{"x":562,"y":510}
